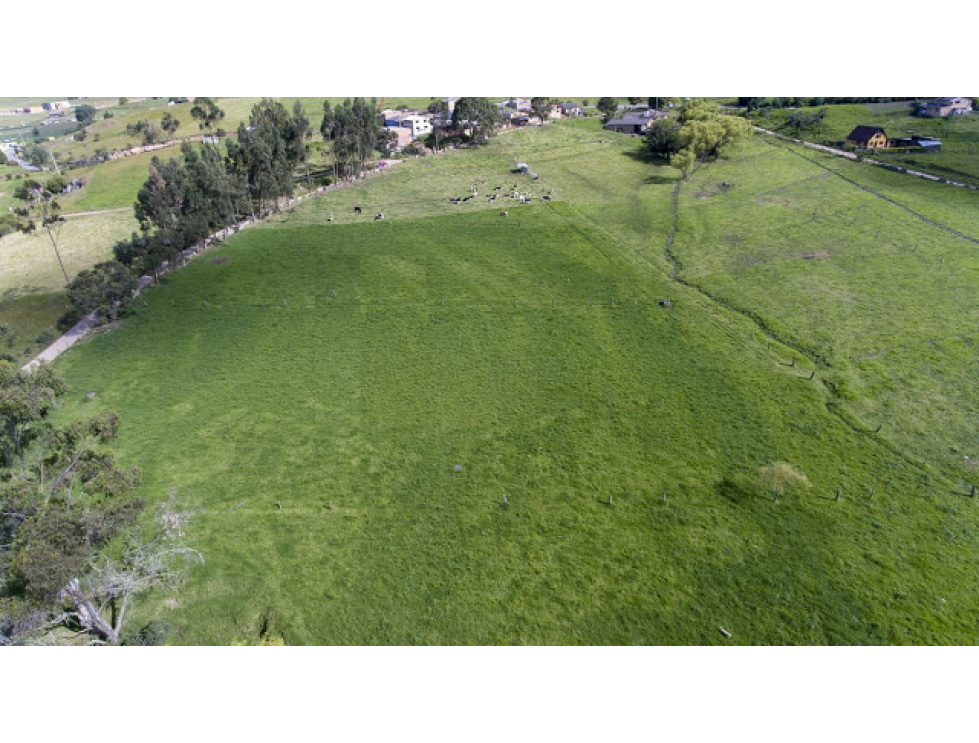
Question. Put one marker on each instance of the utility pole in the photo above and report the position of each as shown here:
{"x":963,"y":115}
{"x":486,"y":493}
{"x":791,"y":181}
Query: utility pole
{"x":56,"y":168}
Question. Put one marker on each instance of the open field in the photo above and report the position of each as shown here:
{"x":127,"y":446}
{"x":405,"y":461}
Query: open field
{"x":884,"y":299}
{"x":112,"y":184}
{"x":112,"y":132}
{"x":316,"y":390}
{"x":28,"y":264}
{"x":958,"y":160}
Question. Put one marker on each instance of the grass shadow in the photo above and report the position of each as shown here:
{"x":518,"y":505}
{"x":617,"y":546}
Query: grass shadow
{"x":738,"y":489}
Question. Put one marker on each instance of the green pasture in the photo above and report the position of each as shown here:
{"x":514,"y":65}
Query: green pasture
{"x":455,"y":427}
{"x":958,"y":160}
{"x":884,"y":299}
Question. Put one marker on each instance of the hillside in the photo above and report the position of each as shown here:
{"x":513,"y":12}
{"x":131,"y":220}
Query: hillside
{"x":350,"y":401}
{"x":958,"y":160}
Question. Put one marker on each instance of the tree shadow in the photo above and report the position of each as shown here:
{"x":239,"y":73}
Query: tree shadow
{"x":738,"y":489}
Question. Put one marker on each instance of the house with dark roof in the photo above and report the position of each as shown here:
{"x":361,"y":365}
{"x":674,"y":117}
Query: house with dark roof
{"x":570,"y":108}
{"x":635,"y":125}
{"x":634,"y":122}
{"x":867,"y":138}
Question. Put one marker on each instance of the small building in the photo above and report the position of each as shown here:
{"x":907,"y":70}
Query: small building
{"x":926,"y":144}
{"x":939,"y":107}
{"x":417,"y":124}
{"x":570,"y":108}
{"x":636,"y":122}
{"x":867,"y":138}
{"x":518,"y":104}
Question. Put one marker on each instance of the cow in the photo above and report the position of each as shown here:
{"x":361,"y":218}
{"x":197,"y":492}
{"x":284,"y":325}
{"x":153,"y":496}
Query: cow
{"x":504,"y":213}
{"x":358,"y":210}
{"x":378,"y":216}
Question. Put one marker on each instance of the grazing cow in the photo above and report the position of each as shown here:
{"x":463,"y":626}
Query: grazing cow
{"x":497,"y":188}
{"x":358,"y":210}
{"x":546,"y":197}
{"x":330,"y":218}
{"x":378,"y":216}
{"x":504,"y":213}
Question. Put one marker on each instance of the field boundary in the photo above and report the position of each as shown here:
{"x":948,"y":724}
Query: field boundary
{"x":80,"y":329}
{"x":888,"y":199}
{"x":878,"y":163}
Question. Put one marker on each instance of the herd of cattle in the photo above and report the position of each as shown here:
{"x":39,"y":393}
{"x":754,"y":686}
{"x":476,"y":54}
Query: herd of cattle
{"x":513,"y":192}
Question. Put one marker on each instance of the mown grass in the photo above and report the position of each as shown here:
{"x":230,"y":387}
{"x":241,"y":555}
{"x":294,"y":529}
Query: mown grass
{"x":316,"y":391}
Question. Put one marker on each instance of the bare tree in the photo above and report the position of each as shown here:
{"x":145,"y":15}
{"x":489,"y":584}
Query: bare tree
{"x":101,"y":600}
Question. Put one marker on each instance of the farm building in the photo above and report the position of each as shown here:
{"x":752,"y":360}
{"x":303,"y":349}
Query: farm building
{"x":570,"y":108}
{"x":867,"y":138}
{"x":938,"y":107}
{"x":634,"y":122}
{"x":925,"y":144}
{"x":628,"y":126}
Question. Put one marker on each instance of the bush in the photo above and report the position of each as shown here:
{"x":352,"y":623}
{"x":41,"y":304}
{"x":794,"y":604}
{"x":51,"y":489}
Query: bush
{"x":103,"y":289}
{"x":153,"y":634}
{"x":45,"y":338}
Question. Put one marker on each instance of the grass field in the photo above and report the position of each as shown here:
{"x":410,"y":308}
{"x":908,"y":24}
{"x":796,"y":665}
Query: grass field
{"x":112,"y":132}
{"x":31,"y":283}
{"x":885,"y":299}
{"x":958,"y":160}
{"x":28,"y":264}
{"x":112,"y":184}
{"x":351,"y":401}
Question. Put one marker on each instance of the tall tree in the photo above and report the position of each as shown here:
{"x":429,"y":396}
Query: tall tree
{"x":40,"y":211}
{"x":298,"y":137}
{"x":541,"y":108}
{"x":84,"y":115}
{"x":207,"y":113}
{"x":607,"y":106}
{"x":26,"y":398}
{"x":262,"y":156}
{"x":352,"y":130}
{"x":169,"y":124}
{"x":479,"y":116}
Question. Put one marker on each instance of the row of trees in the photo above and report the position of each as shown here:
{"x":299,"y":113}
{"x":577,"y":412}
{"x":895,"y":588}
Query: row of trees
{"x":753,"y":104}
{"x":63,"y":499}
{"x":699,"y":134}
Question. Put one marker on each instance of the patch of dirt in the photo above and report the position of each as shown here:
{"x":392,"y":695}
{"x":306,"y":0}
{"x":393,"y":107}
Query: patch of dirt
{"x":816,"y":255}
{"x":172,"y":604}
{"x":219,"y":260}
